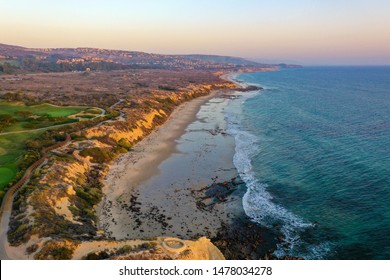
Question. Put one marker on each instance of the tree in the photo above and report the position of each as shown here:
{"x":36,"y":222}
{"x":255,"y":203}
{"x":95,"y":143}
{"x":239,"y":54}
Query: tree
{"x":7,"y":119}
{"x":14,"y":96}
{"x":30,"y":63}
{"x":8,"y":68}
{"x":23,"y":114}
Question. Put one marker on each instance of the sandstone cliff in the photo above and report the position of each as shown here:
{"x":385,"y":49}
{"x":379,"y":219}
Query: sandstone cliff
{"x":56,"y":208}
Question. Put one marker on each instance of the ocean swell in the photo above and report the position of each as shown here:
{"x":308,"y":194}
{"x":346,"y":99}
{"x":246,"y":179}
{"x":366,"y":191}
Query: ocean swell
{"x":258,"y":202}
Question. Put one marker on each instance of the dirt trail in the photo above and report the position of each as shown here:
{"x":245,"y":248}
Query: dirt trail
{"x":6,"y":206}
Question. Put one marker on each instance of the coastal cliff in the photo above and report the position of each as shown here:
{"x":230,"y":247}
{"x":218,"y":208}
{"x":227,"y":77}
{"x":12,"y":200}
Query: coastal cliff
{"x":55,"y":211}
{"x":159,"y":248}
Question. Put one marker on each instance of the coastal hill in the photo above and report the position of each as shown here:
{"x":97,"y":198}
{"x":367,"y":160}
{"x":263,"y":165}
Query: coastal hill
{"x":16,"y":59}
{"x":73,"y":59}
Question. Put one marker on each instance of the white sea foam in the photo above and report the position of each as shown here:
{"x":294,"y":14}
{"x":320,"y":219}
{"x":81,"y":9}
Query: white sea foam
{"x":258,"y":202}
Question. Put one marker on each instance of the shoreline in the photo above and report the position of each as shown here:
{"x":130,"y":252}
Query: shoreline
{"x":127,"y":187}
{"x":157,"y":146}
{"x":161,"y":143}
{"x":180,"y":181}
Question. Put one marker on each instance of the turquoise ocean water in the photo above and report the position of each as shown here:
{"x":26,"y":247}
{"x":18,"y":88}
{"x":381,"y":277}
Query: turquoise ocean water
{"x":314,"y":150}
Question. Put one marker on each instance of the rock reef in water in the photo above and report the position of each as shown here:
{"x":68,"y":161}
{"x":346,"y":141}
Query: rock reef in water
{"x":249,"y":88}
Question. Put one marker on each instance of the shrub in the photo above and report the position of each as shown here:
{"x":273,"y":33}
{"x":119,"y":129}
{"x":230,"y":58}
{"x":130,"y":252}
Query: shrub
{"x":62,"y":253}
{"x":125,"y":144}
{"x":92,"y":196}
{"x":65,"y":158}
{"x":125,"y":249}
{"x":75,"y":211}
{"x":168,"y":88}
{"x":18,"y":233}
{"x":98,"y":155}
{"x":23,"y":114}
{"x":77,"y":137}
{"x":148,"y":246}
{"x":55,"y":251}
{"x":93,"y":111}
{"x":158,"y":119}
{"x":32,"y":249}
{"x":97,"y":256}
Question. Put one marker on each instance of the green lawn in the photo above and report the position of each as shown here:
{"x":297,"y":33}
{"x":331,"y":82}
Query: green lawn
{"x":7,"y":173}
{"x":41,"y":116}
{"x":53,"y":111}
{"x":12,"y":147}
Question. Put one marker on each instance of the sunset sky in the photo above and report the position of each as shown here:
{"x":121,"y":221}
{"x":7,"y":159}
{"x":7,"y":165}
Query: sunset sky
{"x":301,"y":31}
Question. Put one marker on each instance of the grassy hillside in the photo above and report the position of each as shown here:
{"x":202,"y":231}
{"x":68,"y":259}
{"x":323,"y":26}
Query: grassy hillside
{"x":18,"y":117}
{"x":53,"y":111}
{"x":15,"y":116}
{"x":12,"y":149}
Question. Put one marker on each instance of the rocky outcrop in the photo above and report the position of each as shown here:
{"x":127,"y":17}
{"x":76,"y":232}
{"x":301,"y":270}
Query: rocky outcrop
{"x":160,"y":248}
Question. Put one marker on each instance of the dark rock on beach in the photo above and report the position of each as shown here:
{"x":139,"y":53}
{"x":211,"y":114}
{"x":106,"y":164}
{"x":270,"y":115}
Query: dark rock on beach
{"x":249,"y":88}
{"x":245,"y":240}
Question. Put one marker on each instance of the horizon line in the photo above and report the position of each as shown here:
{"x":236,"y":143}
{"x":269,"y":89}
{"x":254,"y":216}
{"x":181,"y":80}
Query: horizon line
{"x":251,"y":59}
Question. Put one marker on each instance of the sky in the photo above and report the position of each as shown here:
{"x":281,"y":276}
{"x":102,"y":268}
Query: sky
{"x":308,"y":32}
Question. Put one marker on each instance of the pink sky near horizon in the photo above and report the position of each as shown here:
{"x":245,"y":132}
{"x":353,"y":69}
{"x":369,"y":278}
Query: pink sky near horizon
{"x":302,"y":31}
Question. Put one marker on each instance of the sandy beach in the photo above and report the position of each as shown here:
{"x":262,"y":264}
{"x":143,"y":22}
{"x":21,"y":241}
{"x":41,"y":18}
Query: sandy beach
{"x":159,"y":188}
{"x":180,"y":181}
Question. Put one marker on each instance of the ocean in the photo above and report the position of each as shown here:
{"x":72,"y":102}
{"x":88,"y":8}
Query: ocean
{"x":313,"y":148}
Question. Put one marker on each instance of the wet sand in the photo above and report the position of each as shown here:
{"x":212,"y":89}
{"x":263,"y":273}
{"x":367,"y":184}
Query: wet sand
{"x":165,"y":186}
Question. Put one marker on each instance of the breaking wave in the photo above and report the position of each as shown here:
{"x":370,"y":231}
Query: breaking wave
{"x":258,"y":202}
